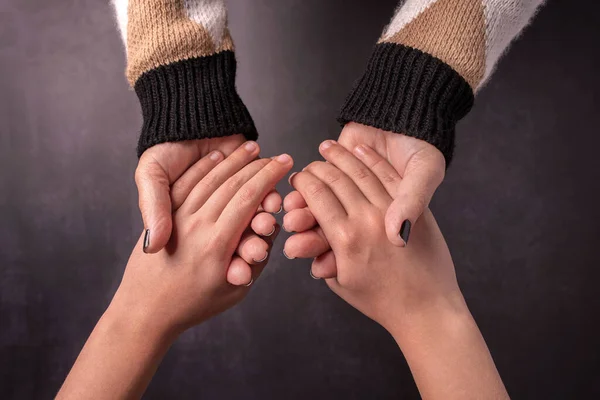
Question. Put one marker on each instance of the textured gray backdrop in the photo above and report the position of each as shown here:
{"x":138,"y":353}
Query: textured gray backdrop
{"x":518,"y":207}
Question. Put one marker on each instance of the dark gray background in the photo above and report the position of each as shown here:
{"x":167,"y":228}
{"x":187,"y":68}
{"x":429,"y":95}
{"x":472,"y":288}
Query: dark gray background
{"x":518,"y":207}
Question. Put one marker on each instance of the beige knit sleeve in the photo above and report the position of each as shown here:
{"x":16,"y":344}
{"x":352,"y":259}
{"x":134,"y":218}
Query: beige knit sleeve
{"x":181,"y":63}
{"x":430,"y":61}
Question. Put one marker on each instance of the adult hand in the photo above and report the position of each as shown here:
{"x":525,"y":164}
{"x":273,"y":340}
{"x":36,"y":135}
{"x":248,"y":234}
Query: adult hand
{"x":163,"y":164}
{"x":420,"y":165}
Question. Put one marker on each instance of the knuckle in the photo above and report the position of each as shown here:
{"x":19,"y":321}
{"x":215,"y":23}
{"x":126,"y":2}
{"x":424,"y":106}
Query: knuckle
{"x":247,"y":194}
{"x":348,"y":239}
{"x":361,"y":174}
{"x":315,"y":189}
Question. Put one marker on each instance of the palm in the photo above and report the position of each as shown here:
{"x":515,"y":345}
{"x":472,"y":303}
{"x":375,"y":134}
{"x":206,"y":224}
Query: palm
{"x":397,"y":149}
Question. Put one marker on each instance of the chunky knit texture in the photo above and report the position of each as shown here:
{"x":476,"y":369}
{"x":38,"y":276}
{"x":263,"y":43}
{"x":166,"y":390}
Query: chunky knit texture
{"x":420,"y":81}
{"x":181,"y":63}
{"x":431,"y":59}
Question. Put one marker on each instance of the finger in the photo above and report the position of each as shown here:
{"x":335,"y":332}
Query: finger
{"x":263,"y":224}
{"x":272,"y":203}
{"x":322,"y":202}
{"x":242,"y":273}
{"x":383,"y":170}
{"x":324,"y":266}
{"x":423,"y":174}
{"x":252,"y":248}
{"x":341,"y":185}
{"x":359,"y":173}
{"x":299,"y":220}
{"x":218,"y":175}
{"x":239,"y":272}
{"x":190,"y":178}
{"x":309,"y":244}
{"x":213,"y":207}
{"x":240,"y":210}
{"x":293,"y":200}
{"x":155,"y":204}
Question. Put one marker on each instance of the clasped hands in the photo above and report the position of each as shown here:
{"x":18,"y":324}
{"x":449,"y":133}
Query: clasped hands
{"x":345,"y":211}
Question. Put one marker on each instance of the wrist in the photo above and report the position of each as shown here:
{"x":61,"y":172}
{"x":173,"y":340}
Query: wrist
{"x":435,"y":317}
{"x":131,"y":321}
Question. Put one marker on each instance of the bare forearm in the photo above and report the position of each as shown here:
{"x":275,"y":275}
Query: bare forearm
{"x":448,"y":356}
{"x":118,"y":360}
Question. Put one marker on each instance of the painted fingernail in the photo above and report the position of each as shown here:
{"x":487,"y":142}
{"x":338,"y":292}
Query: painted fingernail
{"x":280,"y":210}
{"x":327,"y":144}
{"x":286,"y":256}
{"x":405,"y":231}
{"x":283,"y":159}
{"x":146,"y":241}
{"x":312,"y":276}
{"x":272,"y":232}
{"x":262,"y":259}
{"x":250,"y":283}
{"x":360,"y":150}
{"x":250,"y":146}
{"x":290,"y":178}
{"x":215,"y":155}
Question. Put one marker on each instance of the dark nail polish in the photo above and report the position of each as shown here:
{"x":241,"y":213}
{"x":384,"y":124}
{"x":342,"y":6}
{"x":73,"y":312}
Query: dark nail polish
{"x":405,"y":231}
{"x":146,"y":240}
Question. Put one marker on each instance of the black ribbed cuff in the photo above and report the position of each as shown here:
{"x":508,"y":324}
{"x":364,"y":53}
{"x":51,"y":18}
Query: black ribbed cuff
{"x":407,"y":91}
{"x":192,"y":99}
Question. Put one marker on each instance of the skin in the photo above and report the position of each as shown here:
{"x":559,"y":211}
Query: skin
{"x":163,"y":294}
{"x":421,"y":166}
{"x":167,"y":172}
{"x":412,"y":292}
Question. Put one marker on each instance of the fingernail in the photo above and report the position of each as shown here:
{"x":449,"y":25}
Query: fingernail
{"x":262,"y":259}
{"x":290,"y":178}
{"x":283,"y":159}
{"x":327,"y":144}
{"x":250,"y":283}
{"x":286,"y":256}
{"x":283,"y":227}
{"x":360,"y":150}
{"x":272,"y":232}
{"x":280,"y":209}
{"x":146,"y":240}
{"x":405,"y":231}
{"x":312,"y":276}
{"x":250,"y":146}
{"x":215,"y":155}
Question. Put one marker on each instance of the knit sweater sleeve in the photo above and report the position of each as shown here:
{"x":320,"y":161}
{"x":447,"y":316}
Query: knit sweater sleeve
{"x":430,"y":60}
{"x":181,"y":64}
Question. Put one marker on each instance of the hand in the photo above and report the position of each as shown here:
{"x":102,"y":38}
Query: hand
{"x":163,"y":164}
{"x":349,"y":197}
{"x":163,"y":294}
{"x":186,"y":282}
{"x":421,"y":166}
{"x":411,"y":292}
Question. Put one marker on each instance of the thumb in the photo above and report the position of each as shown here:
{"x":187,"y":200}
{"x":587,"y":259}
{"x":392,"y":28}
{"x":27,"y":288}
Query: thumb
{"x":423,"y":174}
{"x":155,"y":204}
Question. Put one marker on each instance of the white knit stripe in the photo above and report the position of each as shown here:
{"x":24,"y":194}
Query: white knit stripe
{"x":505,"y":19}
{"x":405,"y":13}
{"x":212,"y":14}
{"x":120,"y":7}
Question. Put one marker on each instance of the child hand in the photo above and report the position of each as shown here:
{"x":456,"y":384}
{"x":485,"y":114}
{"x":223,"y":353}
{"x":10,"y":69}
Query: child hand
{"x":349,"y":196}
{"x":186,"y":282}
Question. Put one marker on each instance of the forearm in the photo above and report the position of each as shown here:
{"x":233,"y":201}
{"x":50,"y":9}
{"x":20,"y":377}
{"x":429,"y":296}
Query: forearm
{"x":119,"y":358}
{"x":181,"y":63}
{"x":448,"y":356}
